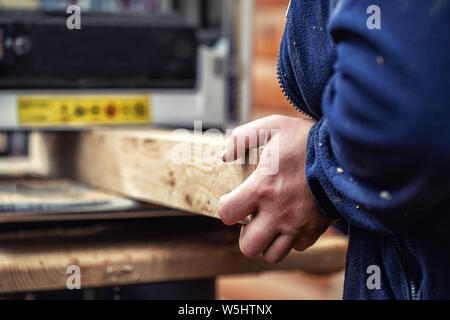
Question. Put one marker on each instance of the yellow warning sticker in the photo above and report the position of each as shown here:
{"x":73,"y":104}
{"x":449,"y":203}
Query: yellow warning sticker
{"x":83,"y":109}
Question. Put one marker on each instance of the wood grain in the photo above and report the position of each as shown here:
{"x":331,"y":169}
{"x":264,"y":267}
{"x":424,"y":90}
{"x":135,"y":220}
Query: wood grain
{"x":162,"y":249}
{"x":144,"y":164}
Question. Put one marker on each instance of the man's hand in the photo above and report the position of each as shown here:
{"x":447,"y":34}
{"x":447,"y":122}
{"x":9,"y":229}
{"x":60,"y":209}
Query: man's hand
{"x":285,"y":215}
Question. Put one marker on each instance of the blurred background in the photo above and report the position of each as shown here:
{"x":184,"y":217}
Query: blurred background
{"x":268,"y":26}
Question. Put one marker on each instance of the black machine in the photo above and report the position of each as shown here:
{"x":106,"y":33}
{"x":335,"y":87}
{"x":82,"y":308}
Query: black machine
{"x":39,"y":52}
{"x":183,"y":60}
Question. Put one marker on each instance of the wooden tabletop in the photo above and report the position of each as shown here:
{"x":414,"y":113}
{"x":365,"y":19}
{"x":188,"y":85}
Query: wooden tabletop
{"x":36,"y":257}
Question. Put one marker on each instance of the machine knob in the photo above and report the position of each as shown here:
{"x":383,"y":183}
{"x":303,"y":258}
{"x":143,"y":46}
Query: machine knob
{"x":22,"y":45}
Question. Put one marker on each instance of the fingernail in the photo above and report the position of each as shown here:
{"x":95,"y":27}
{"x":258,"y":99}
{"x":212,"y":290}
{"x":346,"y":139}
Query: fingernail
{"x":241,"y":232}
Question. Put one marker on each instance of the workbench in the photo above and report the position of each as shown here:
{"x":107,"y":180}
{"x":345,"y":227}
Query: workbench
{"x":141,"y":251}
{"x":151,"y":245}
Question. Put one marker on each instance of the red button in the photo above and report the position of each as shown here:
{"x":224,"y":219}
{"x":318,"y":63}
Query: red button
{"x":111,"y":111}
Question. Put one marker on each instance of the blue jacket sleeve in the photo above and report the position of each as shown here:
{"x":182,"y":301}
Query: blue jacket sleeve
{"x":380,"y":155}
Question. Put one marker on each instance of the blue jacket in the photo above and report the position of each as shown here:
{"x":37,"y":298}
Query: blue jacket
{"x":379,"y":156}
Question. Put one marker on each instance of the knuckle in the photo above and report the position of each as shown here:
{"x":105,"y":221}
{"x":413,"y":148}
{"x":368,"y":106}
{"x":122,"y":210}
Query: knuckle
{"x":287,"y":216}
{"x":264,"y":191}
{"x":278,"y":220}
{"x":281,"y":220}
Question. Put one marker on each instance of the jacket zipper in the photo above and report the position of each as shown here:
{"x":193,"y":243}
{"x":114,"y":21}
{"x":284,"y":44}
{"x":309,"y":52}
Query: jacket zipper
{"x":403,"y":245}
{"x":285,"y":90}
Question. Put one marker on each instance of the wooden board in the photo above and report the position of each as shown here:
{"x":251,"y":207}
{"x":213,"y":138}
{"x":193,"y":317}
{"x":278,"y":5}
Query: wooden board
{"x":162,"y":249}
{"x":37,"y":200}
{"x":56,"y":196}
{"x":144,"y":164}
{"x":153,"y":212}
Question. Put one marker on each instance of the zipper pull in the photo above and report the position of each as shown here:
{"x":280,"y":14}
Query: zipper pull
{"x":289,"y":7}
